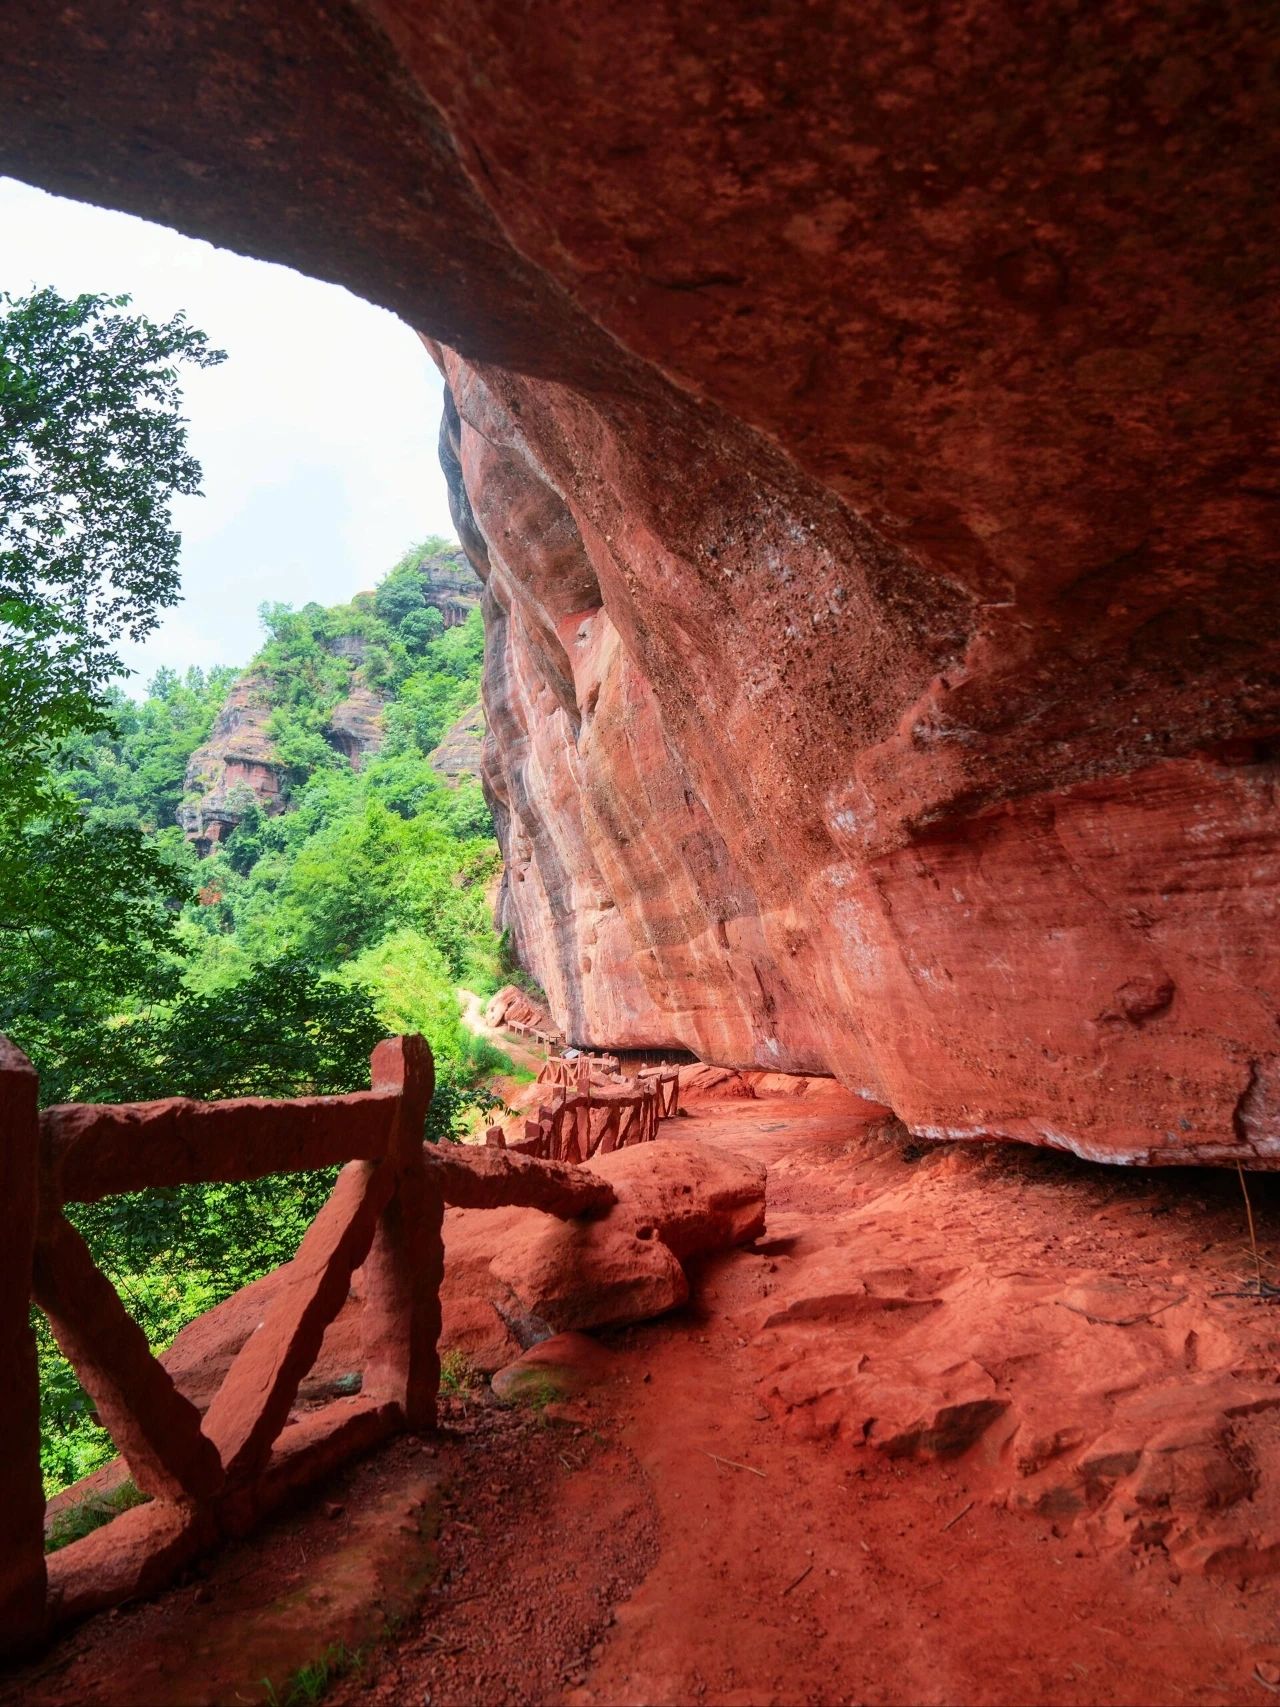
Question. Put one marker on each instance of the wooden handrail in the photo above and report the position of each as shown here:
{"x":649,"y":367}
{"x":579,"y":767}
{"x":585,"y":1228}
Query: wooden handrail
{"x":99,"y":1151}
{"x":217,"y":1475}
{"x":591,"y":1109}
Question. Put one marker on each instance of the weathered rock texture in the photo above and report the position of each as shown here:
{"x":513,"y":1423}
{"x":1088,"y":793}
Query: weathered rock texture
{"x":861,"y":416}
{"x":461,"y":751}
{"x":355,"y":725}
{"x":236,"y":768}
{"x":513,"y":1007}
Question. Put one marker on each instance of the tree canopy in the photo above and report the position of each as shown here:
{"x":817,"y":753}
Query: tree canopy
{"x":93,"y":451}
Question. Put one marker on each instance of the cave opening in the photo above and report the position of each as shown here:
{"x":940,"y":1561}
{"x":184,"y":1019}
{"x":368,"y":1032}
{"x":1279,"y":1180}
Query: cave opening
{"x":861,"y":438}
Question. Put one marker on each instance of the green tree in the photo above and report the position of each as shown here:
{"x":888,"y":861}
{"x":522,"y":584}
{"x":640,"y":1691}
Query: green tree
{"x":93,"y":450}
{"x":133,"y":772}
{"x":400,"y":593}
{"x":420,"y":627}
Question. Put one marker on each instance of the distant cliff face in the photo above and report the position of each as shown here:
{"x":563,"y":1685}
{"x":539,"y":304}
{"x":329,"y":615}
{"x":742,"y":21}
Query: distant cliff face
{"x":235,"y":769}
{"x":354,"y":727}
{"x":239,"y":766}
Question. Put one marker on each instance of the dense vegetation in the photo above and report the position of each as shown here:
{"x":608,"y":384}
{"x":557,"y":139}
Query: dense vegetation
{"x":303,"y":938}
{"x":129,"y":968}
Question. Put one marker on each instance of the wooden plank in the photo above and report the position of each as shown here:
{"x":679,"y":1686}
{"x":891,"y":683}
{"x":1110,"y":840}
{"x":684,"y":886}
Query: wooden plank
{"x":626,"y":1121}
{"x":136,"y":1553}
{"x":474,"y":1178}
{"x":142,"y":1550}
{"x":310,"y":1451}
{"x":98,"y":1150}
{"x":610,"y":1131}
{"x":400,"y":1322}
{"x":156,"y":1430}
{"x":254,"y":1401}
{"x":403,"y":1069}
{"x":22,"y":1567}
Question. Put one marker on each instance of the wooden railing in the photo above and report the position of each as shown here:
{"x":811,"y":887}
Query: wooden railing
{"x":216,"y":1475}
{"x":543,"y":1035}
{"x":567,"y":1070}
{"x":590,"y":1110}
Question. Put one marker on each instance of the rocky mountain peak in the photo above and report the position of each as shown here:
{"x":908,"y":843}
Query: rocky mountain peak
{"x":240,"y":765}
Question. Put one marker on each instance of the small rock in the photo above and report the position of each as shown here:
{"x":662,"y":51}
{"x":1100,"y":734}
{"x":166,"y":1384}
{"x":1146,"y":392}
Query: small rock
{"x":334,"y":1508}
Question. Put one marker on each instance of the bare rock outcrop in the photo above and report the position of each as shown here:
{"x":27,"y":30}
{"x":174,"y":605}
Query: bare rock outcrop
{"x":512,"y":1006}
{"x":354,"y":726}
{"x":863,"y":422}
{"x":236,"y":768}
{"x":461,"y":750}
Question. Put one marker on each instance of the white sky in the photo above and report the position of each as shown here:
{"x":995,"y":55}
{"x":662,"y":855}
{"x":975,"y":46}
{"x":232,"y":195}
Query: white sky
{"x":317,"y":434}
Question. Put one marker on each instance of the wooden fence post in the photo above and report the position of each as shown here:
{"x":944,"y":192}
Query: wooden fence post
{"x":403,"y":1271}
{"x":22,"y":1568}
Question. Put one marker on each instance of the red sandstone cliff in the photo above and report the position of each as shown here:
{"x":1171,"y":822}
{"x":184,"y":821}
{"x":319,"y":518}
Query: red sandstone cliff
{"x":236,"y":767}
{"x":354,"y":725}
{"x":721,"y":834}
{"x":864,"y":421}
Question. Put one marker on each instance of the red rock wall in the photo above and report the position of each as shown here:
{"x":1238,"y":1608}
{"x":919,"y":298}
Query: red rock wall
{"x":725,"y":870}
{"x":864,"y":420}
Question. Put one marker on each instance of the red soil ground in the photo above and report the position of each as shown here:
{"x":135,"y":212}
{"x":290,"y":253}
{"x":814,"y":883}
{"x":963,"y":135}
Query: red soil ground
{"x":968,"y":1426}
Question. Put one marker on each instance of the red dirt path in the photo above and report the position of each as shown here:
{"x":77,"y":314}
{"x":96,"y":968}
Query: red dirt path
{"x":603,"y":1555}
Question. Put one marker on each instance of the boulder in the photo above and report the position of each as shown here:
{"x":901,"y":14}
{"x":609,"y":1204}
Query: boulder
{"x":513,"y":1006}
{"x":703,"y":1083}
{"x":558,"y":1368}
{"x":695,"y":1199}
{"x":515,"y":1276}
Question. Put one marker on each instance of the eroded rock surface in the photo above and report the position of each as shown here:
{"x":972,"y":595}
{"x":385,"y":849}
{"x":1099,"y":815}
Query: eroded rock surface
{"x":514,"y":1006}
{"x":863,"y":424}
{"x":237,"y":767}
{"x":1078,"y":1348}
{"x":354,"y":726}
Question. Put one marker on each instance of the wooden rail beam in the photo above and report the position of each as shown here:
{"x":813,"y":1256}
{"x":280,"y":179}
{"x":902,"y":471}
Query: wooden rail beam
{"x":400,"y":1321}
{"x":475,"y":1178}
{"x":155,"y":1428}
{"x":95,"y":1151}
{"x":22,"y":1567}
{"x":251,"y":1406}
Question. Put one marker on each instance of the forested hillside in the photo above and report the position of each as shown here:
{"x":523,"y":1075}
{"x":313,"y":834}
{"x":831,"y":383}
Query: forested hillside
{"x":342,"y":898}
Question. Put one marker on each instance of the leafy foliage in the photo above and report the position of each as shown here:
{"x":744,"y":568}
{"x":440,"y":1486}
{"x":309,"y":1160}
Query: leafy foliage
{"x":93,"y":449}
{"x":270,"y":968}
{"x":129,"y":969}
{"x":131,"y":772}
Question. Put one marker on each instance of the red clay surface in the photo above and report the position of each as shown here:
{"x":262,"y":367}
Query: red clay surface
{"x":966,"y":1426}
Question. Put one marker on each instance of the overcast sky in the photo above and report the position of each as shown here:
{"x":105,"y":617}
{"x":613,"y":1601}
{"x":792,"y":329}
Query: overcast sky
{"x":317,"y":434}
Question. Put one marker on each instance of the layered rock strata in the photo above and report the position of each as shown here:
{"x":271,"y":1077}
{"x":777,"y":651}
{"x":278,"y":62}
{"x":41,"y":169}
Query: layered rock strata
{"x":354,"y":726}
{"x":235,"y":769}
{"x":706,"y":847}
{"x":863,"y":423}
{"x":461,"y":750}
